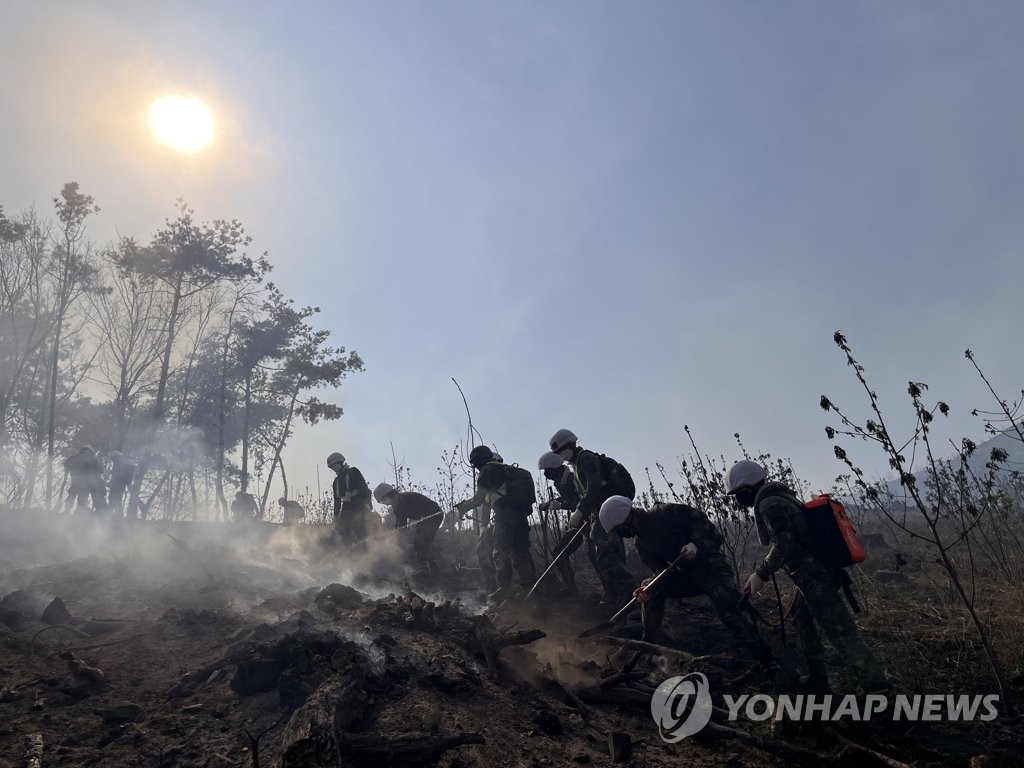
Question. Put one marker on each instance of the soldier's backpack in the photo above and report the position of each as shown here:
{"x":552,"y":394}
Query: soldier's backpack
{"x":616,"y":477}
{"x":518,"y":488}
{"x":833,"y":537}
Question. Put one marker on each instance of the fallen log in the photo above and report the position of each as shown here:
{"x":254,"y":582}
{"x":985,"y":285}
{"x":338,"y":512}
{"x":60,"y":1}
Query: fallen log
{"x":311,"y":739}
{"x":863,"y":751}
{"x":405,"y":751}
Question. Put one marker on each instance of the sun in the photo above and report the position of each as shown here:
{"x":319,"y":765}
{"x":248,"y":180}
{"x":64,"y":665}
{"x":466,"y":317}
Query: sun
{"x":182,"y":123}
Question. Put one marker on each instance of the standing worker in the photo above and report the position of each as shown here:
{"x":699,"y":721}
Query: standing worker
{"x":780,"y":520}
{"x":86,"y":480}
{"x":511,"y":494}
{"x":417,"y":512}
{"x":122,"y":473}
{"x":352,"y":505}
{"x":244,"y":508}
{"x":597,"y":477}
{"x":558,"y":472}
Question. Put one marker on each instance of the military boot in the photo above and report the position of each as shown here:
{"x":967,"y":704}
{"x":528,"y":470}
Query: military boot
{"x":816,"y":679}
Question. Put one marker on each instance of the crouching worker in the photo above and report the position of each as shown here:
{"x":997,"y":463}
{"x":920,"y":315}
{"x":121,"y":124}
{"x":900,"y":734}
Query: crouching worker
{"x":417,"y":512}
{"x":292,"y":512}
{"x":780,"y":520}
{"x":670,"y":532}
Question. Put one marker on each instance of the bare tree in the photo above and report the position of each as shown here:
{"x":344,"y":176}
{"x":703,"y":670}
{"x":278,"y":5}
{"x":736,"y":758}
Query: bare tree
{"x":73,"y":273}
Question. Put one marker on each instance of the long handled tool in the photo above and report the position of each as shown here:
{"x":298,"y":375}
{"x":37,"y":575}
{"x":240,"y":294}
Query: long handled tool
{"x":558,"y":557}
{"x":624,"y":611}
{"x":390,"y":531}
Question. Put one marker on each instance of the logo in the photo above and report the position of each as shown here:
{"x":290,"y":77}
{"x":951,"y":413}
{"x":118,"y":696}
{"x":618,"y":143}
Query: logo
{"x":681,"y":706}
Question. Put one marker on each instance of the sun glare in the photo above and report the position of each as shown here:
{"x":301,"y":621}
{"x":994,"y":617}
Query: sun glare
{"x":182,"y":123}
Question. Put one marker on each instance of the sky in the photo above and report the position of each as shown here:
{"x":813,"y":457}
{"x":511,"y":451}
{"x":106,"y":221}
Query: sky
{"x":619,"y":218}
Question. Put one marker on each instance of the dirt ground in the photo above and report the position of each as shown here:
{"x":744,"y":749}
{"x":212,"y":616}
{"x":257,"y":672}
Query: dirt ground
{"x":188,"y":644}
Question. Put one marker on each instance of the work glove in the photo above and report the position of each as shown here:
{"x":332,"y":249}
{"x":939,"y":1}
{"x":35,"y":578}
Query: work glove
{"x":689,"y":551}
{"x":576,"y":520}
{"x":641,"y":594}
{"x":754,"y":584}
{"x":555,"y":504}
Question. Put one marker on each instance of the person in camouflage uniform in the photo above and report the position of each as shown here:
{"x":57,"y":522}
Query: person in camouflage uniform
{"x":780,"y":520}
{"x":86,"y":480}
{"x":594,"y":485}
{"x":420,"y":514}
{"x":244,"y":508}
{"x":511,"y":535}
{"x":122,"y":473}
{"x":672,"y":531}
{"x":292,"y":512}
{"x":352,"y":505}
{"x":560,"y":474}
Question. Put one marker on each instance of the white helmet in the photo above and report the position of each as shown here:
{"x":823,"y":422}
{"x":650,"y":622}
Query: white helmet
{"x":550,"y":460}
{"x":614,"y":512}
{"x":335,"y":458}
{"x":382,"y":491}
{"x":561,"y":439}
{"x":744,"y":474}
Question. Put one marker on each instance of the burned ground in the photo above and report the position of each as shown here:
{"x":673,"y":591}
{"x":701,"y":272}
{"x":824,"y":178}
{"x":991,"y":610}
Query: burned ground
{"x":217,"y":645}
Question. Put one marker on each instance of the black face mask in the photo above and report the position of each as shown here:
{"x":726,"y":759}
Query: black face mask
{"x":745,"y":497}
{"x":553,"y":474}
{"x":625,"y":531}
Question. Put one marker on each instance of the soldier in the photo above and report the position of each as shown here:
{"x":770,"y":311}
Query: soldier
{"x":352,"y":505}
{"x":86,"y":480}
{"x":558,"y":472}
{"x":504,"y":488}
{"x":779,"y":516}
{"x":416,"y":512}
{"x":244,"y":508}
{"x":292,"y":512}
{"x":671,"y":531}
{"x":122,"y":472}
{"x":597,"y":477}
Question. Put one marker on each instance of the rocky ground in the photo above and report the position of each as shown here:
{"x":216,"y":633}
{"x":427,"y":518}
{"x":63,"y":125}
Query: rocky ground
{"x":159,"y":644}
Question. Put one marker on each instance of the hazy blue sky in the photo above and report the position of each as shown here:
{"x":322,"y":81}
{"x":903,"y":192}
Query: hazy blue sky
{"x":614,"y":217}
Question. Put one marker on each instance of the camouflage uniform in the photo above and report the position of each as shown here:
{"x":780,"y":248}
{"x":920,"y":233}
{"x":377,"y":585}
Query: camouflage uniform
{"x":568,"y":499}
{"x":660,"y":535}
{"x":122,"y":473}
{"x":244,"y":507}
{"x":352,"y":505}
{"x":511,"y":530}
{"x":292,"y":512}
{"x":606,"y":550}
{"x":408,"y":507}
{"x":485,"y":549}
{"x":780,"y":521}
{"x":86,"y":480}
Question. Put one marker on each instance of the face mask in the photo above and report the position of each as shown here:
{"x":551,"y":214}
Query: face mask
{"x":552,"y":474}
{"x":745,"y":497}
{"x":566,"y":453}
{"x":625,"y":531}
